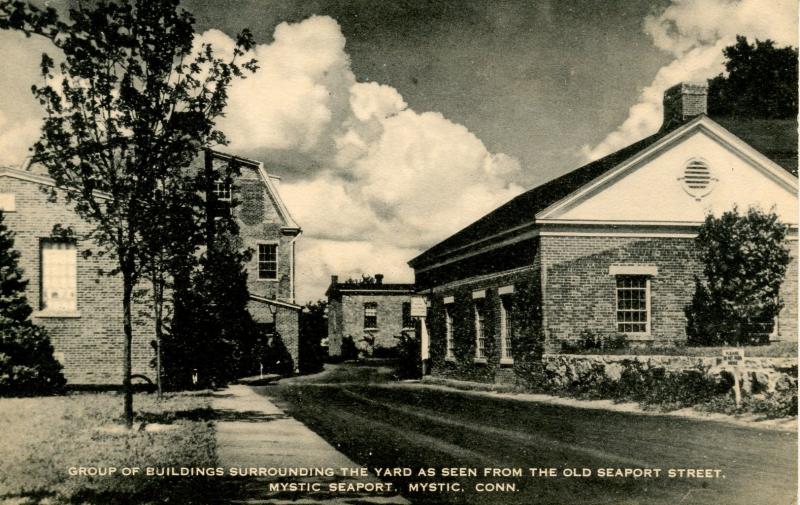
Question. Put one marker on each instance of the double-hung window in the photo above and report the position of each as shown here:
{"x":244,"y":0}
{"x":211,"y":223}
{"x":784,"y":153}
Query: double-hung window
{"x":370,"y":316}
{"x":450,"y":345}
{"x":505,"y":328}
{"x":633,"y":304}
{"x":480,"y":323}
{"x":59,"y":276}
{"x":268,"y":261}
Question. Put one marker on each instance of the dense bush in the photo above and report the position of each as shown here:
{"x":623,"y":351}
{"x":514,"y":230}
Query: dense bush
{"x":593,"y":341}
{"x":744,"y":258}
{"x":27,"y":365}
{"x":212,"y":334}
{"x":409,"y":361}
{"x":313,"y":329}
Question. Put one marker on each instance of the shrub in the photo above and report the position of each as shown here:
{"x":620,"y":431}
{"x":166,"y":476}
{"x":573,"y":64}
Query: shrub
{"x":349,"y":349}
{"x":409,"y":363}
{"x":589,"y":340}
{"x":27,"y":365}
{"x":744,"y":260}
{"x":313,"y":329}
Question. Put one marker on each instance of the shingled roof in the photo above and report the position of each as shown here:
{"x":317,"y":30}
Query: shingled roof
{"x":776,"y":139}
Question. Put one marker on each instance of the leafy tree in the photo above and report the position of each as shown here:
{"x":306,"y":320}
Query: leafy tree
{"x":744,"y":259}
{"x":130,"y":107}
{"x":761,"y":82}
{"x":212,"y":331}
{"x":313,"y":328}
{"x":365,"y":280}
{"x":27,"y":365}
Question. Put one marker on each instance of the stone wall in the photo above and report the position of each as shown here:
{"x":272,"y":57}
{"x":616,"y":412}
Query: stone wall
{"x":759,"y":374}
{"x":89,"y":342}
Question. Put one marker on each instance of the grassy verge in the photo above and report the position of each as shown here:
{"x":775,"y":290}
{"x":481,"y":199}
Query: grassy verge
{"x":43,"y":438}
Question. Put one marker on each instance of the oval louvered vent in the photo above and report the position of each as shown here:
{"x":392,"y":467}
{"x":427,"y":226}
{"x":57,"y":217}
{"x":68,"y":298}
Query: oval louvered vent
{"x":697,"y":179}
{"x":697,"y":175}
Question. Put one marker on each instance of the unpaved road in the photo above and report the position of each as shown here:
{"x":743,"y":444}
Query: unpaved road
{"x":379,"y":425}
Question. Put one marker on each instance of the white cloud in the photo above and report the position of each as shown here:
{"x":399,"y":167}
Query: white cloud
{"x":695,"y":32}
{"x":387,"y":181}
{"x":375,"y":181}
{"x":298,"y":94}
{"x":321,"y":258}
{"x":16,"y":137}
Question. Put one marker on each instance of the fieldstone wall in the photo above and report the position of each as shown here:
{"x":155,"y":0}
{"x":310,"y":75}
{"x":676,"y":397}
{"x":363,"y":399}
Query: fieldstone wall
{"x":758,"y":374}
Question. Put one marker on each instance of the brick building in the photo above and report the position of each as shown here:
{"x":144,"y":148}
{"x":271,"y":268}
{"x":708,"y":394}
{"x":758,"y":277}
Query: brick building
{"x":608,"y":248}
{"x":81,"y":307}
{"x":372,"y":314}
{"x":266,"y":228}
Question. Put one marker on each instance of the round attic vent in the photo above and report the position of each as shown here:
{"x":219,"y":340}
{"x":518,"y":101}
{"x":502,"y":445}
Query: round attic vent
{"x":697,"y":179}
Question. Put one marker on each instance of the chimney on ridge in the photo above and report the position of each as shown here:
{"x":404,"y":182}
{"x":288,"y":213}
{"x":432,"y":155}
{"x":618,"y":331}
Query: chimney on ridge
{"x":378,"y":279}
{"x":682,"y":102}
{"x":334,"y":279}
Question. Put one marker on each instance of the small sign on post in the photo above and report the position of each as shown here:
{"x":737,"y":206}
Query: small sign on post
{"x":735,"y":358}
{"x":418,"y":307}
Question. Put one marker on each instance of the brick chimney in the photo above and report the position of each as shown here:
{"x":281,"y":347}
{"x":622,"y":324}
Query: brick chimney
{"x":334,"y":280}
{"x":378,"y":279}
{"x":682,"y":102}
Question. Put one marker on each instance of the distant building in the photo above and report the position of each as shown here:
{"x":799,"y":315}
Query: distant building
{"x":371,"y":313}
{"x":82,"y":308}
{"x":608,"y":248}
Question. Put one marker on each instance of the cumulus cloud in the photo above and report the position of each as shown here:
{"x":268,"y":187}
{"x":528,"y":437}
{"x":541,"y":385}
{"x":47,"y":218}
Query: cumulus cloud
{"x":371,"y":181}
{"x":299,"y":94}
{"x":319,"y":258}
{"x":386,"y":181}
{"x":695,"y":32}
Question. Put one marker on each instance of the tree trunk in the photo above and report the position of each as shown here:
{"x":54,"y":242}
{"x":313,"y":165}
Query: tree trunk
{"x":127,"y":292}
{"x":158,"y":302}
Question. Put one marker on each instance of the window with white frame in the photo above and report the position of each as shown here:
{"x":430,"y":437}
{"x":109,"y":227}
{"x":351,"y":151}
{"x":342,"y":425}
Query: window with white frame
{"x":59,"y":276}
{"x":633,"y":304}
{"x":450,"y":345}
{"x":268,"y":261}
{"x":505,"y":327}
{"x":480,"y":337}
{"x":222,"y":190}
{"x":370,"y":316}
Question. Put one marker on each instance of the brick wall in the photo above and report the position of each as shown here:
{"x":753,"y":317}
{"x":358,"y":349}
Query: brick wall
{"x":260,"y":222}
{"x":90,"y":343}
{"x":580,"y":293}
{"x":491,"y":369}
{"x":787,"y":321}
{"x":287,"y":323}
{"x":348,"y":320}
{"x":335,"y":328}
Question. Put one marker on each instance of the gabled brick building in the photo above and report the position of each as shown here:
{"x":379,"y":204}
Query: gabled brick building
{"x":372,"y":314}
{"x":608,"y":248}
{"x":81,"y":307}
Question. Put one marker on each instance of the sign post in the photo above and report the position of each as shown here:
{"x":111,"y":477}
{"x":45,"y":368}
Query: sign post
{"x":735,"y":359}
{"x":419,"y":310}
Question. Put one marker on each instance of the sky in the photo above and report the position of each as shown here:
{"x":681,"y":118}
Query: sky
{"x":395,"y":124}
